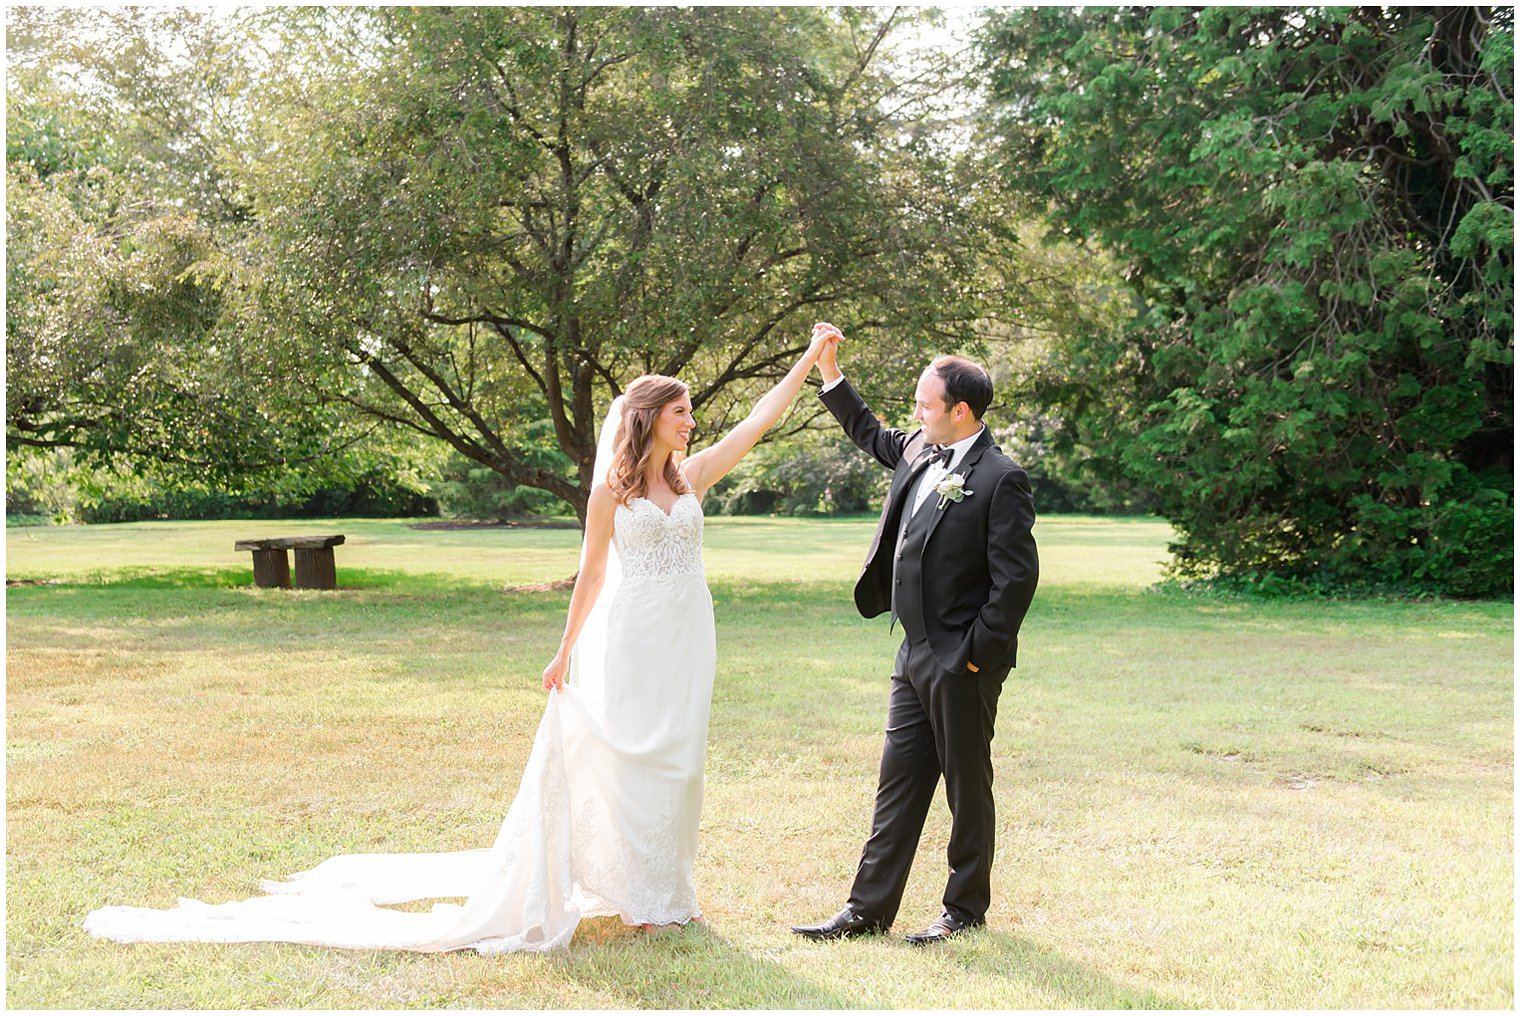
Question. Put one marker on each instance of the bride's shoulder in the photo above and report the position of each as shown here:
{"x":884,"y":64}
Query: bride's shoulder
{"x":601,"y":500}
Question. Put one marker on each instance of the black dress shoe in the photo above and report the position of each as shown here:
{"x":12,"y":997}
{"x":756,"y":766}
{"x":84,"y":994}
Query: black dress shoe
{"x":944,"y":927}
{"x":845,"y":924}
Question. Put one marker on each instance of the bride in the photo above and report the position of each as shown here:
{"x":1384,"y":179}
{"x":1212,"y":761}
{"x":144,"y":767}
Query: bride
{"x":605,"y":820}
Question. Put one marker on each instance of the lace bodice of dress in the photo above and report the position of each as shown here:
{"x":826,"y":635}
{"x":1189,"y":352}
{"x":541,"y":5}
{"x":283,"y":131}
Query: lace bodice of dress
{"x":652,"y":544}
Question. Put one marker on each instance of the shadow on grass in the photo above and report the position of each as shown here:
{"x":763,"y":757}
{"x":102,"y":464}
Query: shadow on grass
{"x":802,"y":592}
{"x":149,"y":577}
{"x":144,"y":577}
{"x":1055,"y":980}
{"x":694,"y":968}
{"x":699,"y":968}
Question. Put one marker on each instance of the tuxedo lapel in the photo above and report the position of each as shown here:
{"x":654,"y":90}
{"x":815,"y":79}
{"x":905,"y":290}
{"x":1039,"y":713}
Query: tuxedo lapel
{"x":885,"y":537}
{"x":901,"y":488}
{"x":964,"y":467}
{"x":874,"y":589}
{"x":902,"y":480}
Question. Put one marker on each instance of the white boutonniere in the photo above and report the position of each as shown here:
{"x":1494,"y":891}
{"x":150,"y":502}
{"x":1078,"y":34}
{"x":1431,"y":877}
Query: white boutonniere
{"x":952,"y":487}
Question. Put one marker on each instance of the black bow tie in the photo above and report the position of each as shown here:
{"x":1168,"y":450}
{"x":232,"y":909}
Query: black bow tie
{"x":939,"y":453}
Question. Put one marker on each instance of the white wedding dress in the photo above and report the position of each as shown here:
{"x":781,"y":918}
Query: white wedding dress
{"x":604,"y":822}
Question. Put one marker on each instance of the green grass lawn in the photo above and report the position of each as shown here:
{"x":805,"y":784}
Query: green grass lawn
{"x":1201,"y":801}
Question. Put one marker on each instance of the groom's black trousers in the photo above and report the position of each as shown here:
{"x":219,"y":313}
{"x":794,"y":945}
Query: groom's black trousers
{"x":938,"y":723}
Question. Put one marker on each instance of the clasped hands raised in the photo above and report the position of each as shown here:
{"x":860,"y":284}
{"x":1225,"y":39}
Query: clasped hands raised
{"x":826,"y":340}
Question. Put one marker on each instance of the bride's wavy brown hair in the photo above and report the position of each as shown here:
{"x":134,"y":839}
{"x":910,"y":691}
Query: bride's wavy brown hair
{"x":642,"y":402}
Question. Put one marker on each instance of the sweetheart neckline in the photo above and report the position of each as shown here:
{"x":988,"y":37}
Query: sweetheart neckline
{"x":662,"y":511}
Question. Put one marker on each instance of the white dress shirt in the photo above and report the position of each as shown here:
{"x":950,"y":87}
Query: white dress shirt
{"x":939,"y":470}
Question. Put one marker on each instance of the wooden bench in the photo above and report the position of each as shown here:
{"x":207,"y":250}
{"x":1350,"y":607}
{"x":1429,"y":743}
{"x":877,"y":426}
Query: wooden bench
{"x":315,"y":568}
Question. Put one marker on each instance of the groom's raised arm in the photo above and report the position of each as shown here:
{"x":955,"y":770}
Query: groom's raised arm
{"x":884,"y":444}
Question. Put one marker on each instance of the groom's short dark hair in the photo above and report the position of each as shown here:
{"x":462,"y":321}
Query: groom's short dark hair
{"x":965,"y":381}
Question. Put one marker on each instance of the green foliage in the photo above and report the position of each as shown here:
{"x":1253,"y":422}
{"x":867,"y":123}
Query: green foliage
{"x":374,"y":497}
{"x":466,"y":489}
{"x":1053,"y":291}
{"x":131,"y":324}
{"x":470,"y":491}
{"x":1060,"y":472}
{"x":816,"y":473}
{"x":267,"y":243}
{"x":1314,"y":211}
{"x":42,"y":487}
{"x":63,"y":485}
{"x":503,"y":214}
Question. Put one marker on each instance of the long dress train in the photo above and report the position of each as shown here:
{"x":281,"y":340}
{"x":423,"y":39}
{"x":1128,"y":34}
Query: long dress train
{"x":605,"y":819}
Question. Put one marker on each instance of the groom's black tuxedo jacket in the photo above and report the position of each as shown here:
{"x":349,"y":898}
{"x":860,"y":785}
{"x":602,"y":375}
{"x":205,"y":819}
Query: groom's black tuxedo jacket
{"x":966,"y":572}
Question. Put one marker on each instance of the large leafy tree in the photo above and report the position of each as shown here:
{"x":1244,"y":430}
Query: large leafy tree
{"x":497,"y":215}
{"x":1313,"y":209}
{"x":128,"y":302}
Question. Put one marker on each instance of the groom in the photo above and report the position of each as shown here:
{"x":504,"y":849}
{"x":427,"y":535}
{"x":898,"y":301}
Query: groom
{"x":953,"y":560}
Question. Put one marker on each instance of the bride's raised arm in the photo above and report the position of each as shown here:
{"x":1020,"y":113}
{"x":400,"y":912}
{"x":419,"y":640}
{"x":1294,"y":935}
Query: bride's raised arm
{"x":711,"y":464}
